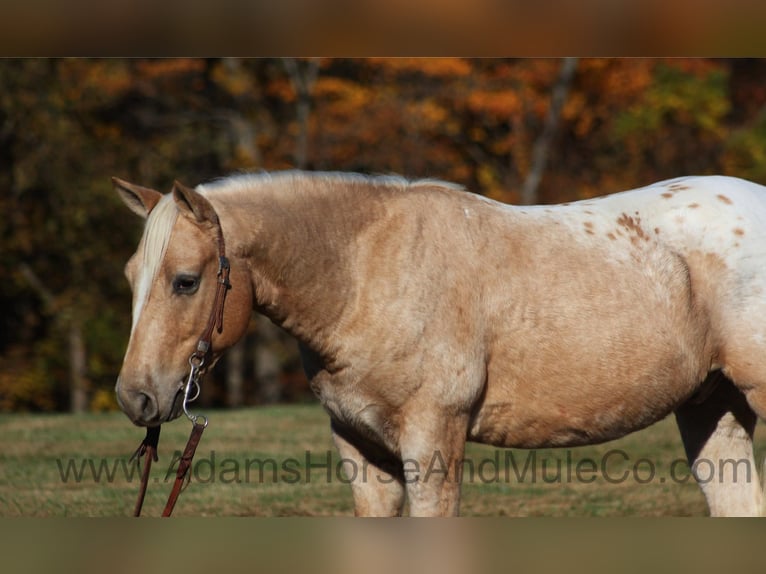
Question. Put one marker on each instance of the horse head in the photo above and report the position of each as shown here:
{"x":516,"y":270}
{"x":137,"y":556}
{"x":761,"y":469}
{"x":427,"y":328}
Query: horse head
{"x":174,"y":278}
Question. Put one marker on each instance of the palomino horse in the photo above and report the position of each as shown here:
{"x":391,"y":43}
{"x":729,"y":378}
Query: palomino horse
{"x":428,"y":316}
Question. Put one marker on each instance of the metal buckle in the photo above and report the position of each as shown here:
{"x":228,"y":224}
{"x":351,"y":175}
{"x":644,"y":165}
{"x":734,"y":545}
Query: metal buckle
{"x":196,"y":363}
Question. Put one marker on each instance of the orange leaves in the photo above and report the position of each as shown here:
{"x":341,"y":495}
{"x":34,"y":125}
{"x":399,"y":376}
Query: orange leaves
{"x":434,"y":67}
{"x":578,"y":113}
{"x":602,"y":87}
{"x":620,"y":81}
{"x":282,"y":90}
{"x":339,"y":91}
{"x":233,"y":78}
{"x":167,"y":67}
{"x":105,"y":79}
{"x":109,"y":78}
{"x":498,"y":104}
{"x":431,"y":113}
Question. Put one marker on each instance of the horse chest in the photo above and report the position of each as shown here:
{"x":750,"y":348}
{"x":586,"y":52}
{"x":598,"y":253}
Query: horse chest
{"x":358,"y":406}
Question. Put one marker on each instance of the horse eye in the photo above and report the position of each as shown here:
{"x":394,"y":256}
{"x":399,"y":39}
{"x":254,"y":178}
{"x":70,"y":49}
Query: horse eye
{"x":185,"y":284}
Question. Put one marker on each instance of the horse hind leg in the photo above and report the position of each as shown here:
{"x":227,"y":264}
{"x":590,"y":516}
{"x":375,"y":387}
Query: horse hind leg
{"x":717,"y":432}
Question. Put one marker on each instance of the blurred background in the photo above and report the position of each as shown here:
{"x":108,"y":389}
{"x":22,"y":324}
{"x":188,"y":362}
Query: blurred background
{"x":516,"y":130}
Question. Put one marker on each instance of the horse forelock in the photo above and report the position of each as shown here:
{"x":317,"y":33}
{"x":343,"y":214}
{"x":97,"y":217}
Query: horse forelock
{"x":159,"y":226}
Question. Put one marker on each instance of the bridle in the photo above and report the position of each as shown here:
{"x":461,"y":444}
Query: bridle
{"x":191,"y":389}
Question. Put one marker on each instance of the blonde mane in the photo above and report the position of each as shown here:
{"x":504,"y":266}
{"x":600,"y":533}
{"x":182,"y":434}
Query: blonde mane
{"x":281,"y":179}
{"x":159,"y":226}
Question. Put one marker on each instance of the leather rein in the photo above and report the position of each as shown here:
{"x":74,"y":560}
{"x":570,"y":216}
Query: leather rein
{"x":191,"y":389}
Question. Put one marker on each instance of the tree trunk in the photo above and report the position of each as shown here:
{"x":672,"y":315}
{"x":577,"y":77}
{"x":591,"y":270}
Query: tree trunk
{"x":267,"y":363}
{"x":242,"y":132}
{"x":77,"y":368}
{"x":302,"y":79}
{"x":78,"y":358}
{"x":543,"y":143}
{"x":235,"y":374}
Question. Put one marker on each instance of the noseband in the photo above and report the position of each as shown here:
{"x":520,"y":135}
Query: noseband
{"x":191,"y":389}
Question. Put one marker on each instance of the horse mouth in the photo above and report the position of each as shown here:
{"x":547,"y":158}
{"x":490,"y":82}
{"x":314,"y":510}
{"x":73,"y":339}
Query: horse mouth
{"x":177,"y":407}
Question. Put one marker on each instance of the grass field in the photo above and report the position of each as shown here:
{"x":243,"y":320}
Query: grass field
{"x":280,"y":461}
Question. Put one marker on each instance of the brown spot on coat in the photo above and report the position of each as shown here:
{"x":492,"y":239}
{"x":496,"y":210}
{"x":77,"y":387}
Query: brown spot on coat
{"x":725,"y":199}
{"x":633,"y":224}
{"x":694,"y":205}
{"x":611,"y":236}
{"x":667,"y":195}
{"x":739,"y":231}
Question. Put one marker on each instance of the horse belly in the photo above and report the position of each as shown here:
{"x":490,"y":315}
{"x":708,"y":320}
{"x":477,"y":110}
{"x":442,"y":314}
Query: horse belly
{"x":586,"y":403}
{"x":567,"y":370}
{"x":575,"y":422}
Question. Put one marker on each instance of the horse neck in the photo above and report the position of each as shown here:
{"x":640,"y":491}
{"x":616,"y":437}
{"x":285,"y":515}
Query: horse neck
{"x":297,"y":245}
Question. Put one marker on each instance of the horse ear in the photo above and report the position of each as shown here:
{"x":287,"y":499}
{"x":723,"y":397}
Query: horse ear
{"x":140,"y":200}
{"x":191,"y":204}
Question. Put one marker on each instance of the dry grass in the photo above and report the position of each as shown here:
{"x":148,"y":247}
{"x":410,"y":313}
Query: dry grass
{"x":241,"y":450}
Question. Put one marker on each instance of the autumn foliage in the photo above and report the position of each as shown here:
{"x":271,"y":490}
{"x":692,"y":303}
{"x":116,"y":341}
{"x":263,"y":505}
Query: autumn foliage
{"x":67,"y":126}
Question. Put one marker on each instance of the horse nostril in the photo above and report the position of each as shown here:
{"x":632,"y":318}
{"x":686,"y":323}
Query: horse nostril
{"x":147,"y":406}
{"x":144,"y":403}
{"x":140,"y":406}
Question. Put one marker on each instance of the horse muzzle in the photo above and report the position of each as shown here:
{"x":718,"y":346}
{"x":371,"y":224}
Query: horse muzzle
{"x":145,"y":408}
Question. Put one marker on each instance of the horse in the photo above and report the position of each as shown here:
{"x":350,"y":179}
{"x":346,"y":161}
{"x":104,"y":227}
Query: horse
{"x":428,"y":316}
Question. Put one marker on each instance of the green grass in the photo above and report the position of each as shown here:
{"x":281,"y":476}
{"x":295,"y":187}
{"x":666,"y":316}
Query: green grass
{"x":252,"y":462}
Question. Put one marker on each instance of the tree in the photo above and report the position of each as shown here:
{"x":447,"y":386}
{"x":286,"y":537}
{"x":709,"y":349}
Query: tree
{"x":303,"y":76}
{"x":542,"y":146}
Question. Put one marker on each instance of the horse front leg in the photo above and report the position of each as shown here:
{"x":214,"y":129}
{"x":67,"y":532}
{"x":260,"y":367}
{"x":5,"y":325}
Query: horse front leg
{"x":432,"y":446}
{"x":376,"y":480}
